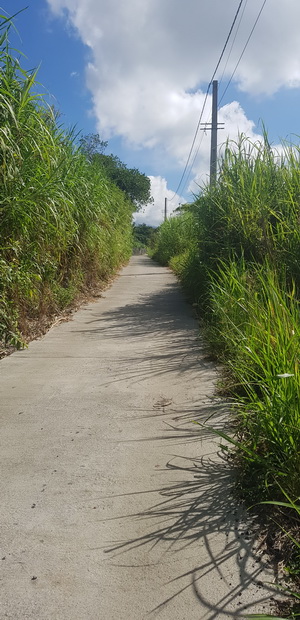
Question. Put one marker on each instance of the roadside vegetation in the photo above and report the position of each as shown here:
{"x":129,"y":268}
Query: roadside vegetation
{"x":143,"y":236}
{"x":236,"y":250}
{"x":65,"y":207}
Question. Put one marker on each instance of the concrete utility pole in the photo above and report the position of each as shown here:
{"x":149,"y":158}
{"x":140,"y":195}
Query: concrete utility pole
{"x":214,"y":134}
{"x":213,"y":126}
{"x":165,"y":217}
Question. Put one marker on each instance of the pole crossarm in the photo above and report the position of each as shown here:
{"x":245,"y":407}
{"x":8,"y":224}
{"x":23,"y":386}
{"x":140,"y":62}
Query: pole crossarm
{"x":209,"y":126}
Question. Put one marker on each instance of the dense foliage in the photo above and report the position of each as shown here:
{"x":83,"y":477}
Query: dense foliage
{"x":236,"y":249}
{"x":142,"y":235}
{"x":64,"y":223}
{"x":131,"y":181}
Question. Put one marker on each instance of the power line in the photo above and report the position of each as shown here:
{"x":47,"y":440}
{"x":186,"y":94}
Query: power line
{"x":227,"y":40}
{"x":233,"y":42}
{"x":195,"y":157}
{"x":193,"y":143}
{"x":206,"y":96}
{"x":200,"y":143}
{"x":223,"y":95}
{"x":243,"y":51}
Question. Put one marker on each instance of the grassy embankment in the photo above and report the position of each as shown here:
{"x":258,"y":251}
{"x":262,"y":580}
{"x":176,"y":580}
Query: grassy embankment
{"x":64,"y":225}
{"x":236,"y":251}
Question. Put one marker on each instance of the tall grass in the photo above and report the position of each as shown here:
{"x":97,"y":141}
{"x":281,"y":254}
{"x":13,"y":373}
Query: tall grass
{"x":176,"y":243}
{"x":254,"y":209}
{"x":174,"y":238}
{"x":63,"y":224}
{"x":241,"y":266}
{"x":256,"y":324}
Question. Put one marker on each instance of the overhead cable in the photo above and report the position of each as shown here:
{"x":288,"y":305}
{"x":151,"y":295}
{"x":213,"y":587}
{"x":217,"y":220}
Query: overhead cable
{"x":206,"y":96}
{"x":239,"y":60}
{"x":243,"y":51}
{"x":233,"y":42}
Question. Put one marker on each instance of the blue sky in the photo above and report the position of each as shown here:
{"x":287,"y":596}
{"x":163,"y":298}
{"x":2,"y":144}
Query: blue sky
{"x":136,"y":72}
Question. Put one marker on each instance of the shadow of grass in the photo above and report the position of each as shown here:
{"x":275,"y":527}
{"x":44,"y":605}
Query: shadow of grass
{"x":199,"y":509}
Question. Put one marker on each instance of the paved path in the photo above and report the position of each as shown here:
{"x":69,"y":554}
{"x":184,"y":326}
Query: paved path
{"x":112,"y":506}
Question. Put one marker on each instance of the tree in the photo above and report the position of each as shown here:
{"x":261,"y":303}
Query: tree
{"x":142,"y":234}
{"x":91,"y":144}
{"x":131,"y":181}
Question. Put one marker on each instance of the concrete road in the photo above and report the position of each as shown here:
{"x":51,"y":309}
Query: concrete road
{"x":113,"y":504}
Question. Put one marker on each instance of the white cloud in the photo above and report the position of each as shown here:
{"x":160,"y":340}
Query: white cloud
{"x":153,"y":213}
{"x":148,"y":58}
{"x":173,"y":40}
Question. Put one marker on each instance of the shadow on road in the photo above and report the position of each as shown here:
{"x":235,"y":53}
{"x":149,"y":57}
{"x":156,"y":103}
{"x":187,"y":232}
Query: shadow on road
{"x":162,"y":334}
{"x":197,"y":508}
{"x":194,"y":510}
{"x":157,"y":313}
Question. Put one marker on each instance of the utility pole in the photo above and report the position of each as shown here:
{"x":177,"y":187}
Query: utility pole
{"x":214,"y":135}
{"x":213,"y":126}
{"x":165,"y":217}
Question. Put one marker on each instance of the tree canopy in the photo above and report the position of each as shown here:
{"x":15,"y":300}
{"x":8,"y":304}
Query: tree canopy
{"x":142,"y":234}
{"x":131,"y":181}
